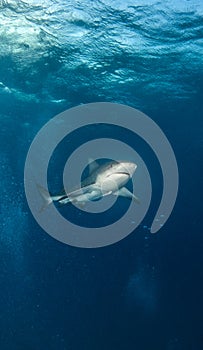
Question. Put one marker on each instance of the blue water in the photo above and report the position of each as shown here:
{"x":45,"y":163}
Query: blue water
{"x":145,"y":292}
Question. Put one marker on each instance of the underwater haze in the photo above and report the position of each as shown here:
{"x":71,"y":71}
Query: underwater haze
{"x":146,"y":291}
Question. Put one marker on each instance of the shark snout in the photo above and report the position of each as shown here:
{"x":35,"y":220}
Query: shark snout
{"x":129,"y":167}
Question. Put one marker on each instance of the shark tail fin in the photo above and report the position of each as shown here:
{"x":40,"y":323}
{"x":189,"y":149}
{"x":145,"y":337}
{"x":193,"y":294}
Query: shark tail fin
{"x":47,"y":199}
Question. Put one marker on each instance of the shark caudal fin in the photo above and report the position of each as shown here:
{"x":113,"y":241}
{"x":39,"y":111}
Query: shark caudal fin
{"x":47,"y":199}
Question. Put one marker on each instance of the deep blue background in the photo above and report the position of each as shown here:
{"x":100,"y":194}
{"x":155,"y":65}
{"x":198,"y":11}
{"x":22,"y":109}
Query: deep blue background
{"x":145,"y":292}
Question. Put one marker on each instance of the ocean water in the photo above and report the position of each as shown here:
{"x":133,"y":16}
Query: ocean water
{"x":146,"y":291}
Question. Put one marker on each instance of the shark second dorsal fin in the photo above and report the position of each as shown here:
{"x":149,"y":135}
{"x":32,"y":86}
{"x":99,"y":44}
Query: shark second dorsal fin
{"x":92,"y":165}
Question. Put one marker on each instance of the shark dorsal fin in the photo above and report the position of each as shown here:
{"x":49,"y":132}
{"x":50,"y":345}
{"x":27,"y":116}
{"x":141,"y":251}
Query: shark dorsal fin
{"x":92,"y":165}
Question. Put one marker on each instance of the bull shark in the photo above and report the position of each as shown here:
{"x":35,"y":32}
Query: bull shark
{"x":103,"y":180}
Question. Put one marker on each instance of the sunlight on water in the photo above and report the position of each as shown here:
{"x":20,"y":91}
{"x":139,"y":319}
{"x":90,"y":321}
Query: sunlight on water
{"x":141,"y":45}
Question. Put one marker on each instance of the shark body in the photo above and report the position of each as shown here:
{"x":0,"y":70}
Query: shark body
{"x":103,"y":180}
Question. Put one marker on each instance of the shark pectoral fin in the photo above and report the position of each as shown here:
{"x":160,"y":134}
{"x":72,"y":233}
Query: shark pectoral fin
{"x":136,"y":199}
{"x":124,"y":192}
